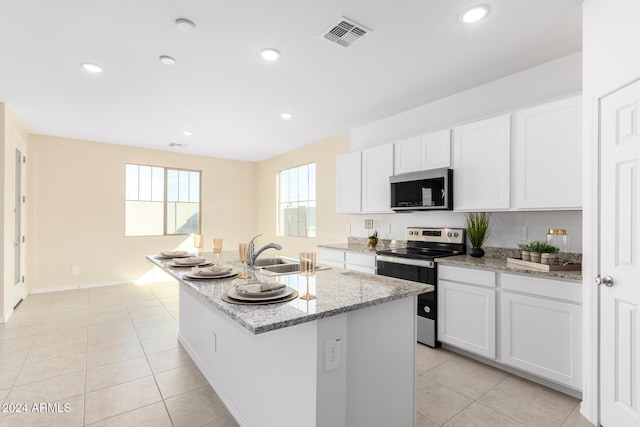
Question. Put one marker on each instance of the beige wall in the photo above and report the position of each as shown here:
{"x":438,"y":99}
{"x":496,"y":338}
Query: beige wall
{"x":76,"y":210}
{"x":331,"y":227}
{"x":9,"y":129}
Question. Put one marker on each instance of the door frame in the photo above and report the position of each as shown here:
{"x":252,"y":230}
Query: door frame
{"x":19,"y":144}
{"x":590,"y":406}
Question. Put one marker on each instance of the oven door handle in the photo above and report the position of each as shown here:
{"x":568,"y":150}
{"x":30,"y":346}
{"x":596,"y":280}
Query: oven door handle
{"x":405,"y":261}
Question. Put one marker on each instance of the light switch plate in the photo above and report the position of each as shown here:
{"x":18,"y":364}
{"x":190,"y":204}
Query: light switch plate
{"x":523,"y":233}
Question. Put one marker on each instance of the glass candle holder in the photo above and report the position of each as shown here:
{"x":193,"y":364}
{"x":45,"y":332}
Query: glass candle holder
{"x":198,"y":243}
{"x":217,"y":248}
{"x":307,"y":269}
{"x":243,"y":251}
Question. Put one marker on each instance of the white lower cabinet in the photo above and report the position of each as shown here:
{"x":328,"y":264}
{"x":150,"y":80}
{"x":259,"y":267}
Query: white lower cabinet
{"x":332,"y":257}
{"x":536,"y":326}
{"x":364,"y":263}
{"x":467,"y":311}
{"x":542,"y":336}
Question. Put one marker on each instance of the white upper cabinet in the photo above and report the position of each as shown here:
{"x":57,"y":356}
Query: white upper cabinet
{"x":481,"y":162}
{"x":436,"y":150}
{"x":424,"y":152}
{"x":348,"y":182}
{"x":377,"y":167}
{"x":548,"y":150}
{"x":407,"y":155}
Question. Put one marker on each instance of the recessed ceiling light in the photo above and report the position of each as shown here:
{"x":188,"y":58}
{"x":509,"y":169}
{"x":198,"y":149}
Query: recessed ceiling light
{"x":269,"y":54}
{"x":167,"y":60}
{"x":187,"y":133}
{"x":475,"y":14}
{"x":286,"y":115}
{"x":185,"y":25}
{"x":93,"y":68}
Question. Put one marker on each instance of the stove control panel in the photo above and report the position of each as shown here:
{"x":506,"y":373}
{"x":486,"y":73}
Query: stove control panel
{"x":438,"y":235}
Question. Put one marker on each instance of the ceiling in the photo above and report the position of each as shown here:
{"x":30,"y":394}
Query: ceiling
{"x":230,"y":98}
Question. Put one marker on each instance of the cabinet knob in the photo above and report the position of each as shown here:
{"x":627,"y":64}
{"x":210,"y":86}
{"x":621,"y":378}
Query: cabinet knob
{"x":427,"y":309}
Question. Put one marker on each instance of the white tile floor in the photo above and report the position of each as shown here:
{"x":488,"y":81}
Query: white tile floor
{"x":455,"y":391}
{"x":111,"y":354}
{"x":109,"y":357}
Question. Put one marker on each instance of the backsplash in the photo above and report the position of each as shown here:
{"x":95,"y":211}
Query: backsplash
{"x":382,"y":243}
{"x":505,"y":230}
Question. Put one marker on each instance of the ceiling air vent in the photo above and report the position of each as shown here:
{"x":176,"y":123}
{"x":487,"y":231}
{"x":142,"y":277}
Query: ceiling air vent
{"x":177,"y":145}
{"x":345,"y":32}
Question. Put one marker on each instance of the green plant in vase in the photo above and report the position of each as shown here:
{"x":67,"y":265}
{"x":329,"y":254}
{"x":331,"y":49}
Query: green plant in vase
{"x":525,"y":251}
{"x":373,"y":239}
{"x":477,"y":225}
{"x":538,"y":247}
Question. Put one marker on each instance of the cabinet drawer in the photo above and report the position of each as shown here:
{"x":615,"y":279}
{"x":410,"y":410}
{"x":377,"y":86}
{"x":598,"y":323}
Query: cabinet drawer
{"x":467,"y":275}
{"x":558,"y":289}
{"x":332,"y":255}
{"x":361,"y":260}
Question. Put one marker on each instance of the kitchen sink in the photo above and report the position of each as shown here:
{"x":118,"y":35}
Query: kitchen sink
{"x":263,"y":262}
{"x":283,"y":268}
{"x":289,"y":267}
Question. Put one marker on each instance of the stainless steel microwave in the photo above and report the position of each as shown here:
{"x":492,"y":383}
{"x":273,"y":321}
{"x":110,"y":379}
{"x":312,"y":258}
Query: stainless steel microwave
{"x":424,"y":190}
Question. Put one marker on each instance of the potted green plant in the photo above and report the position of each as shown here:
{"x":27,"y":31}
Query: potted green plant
{"x":525,"y":252}
{"x":538,"y":247}
{"x":373,"y":239}
{"x":477,"y":225}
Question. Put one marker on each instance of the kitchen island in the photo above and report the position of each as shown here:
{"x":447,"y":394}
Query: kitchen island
{"x":346,"y":358}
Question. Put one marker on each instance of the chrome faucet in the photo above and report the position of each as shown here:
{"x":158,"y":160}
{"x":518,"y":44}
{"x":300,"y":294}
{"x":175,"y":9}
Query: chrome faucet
{"x":253,"y":254}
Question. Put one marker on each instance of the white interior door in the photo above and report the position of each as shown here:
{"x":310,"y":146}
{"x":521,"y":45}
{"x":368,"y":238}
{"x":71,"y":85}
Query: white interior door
{"x":19,"y":222}
{"x":619,"y":260}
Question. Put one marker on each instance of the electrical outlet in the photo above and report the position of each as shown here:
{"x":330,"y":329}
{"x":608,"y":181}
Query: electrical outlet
{"x":523,"y":233}
{"x":75,"y":270}
{"x":332,"y":353}
{"x":368,"y":224}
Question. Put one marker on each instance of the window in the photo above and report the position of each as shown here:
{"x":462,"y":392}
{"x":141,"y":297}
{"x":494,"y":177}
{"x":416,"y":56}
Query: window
{"x":297,"y":201}
{"x":161,"y":201}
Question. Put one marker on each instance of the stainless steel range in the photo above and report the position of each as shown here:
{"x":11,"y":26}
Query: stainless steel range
{"x":416,"y":263}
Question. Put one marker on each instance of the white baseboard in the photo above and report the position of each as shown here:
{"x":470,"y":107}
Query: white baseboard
{"x":81,"y":286}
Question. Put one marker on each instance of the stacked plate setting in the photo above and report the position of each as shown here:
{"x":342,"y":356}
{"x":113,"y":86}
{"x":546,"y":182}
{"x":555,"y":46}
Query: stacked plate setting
{"x":212,"y":272}
{"x":259,"y":292}
{"x":173,"y":254}
{"x":190,"y":261}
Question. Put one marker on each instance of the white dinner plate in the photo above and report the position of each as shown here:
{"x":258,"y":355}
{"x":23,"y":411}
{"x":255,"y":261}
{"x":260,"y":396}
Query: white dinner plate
{"x":273,"y":292}
{"x":172,"y":264}
{"x":195,"y":276}
{"x":233,"y":294}
{"x":173,"y":256}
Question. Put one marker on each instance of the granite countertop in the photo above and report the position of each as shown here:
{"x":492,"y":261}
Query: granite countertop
{"x":499,"y":263}
{"x":495,"y":258}
{"x":359,"y":245}
{"x":337,"y":290}
{"x":351,"y":247}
